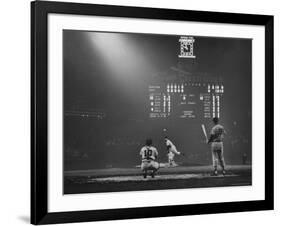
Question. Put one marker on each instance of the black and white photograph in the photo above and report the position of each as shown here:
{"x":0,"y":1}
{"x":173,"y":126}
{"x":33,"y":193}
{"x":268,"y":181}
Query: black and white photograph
{"x":127,"y":112}
{"x":155,"y":111}
{"x":144,"y":112}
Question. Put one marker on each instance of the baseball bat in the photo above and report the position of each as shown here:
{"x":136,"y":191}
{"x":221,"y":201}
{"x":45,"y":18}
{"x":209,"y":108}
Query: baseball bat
{"x":204,"y":131}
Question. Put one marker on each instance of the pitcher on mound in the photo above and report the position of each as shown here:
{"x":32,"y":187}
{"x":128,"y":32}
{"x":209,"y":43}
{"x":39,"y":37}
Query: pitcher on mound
{"x":172,"y":151}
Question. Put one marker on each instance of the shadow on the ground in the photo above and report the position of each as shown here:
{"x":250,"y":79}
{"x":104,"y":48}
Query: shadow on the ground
{"x":24,"y":219}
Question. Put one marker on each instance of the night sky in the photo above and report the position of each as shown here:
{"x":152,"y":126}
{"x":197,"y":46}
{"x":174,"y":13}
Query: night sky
{"x":99,"y":70}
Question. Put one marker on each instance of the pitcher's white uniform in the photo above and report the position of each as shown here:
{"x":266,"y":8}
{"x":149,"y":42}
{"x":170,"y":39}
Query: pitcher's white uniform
{"x":149,"y":155}
{"x":172,"y":151}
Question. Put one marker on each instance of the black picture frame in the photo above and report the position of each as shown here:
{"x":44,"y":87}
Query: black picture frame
{"x":39,"y":112}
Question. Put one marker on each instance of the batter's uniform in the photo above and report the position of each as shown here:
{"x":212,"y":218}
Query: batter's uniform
{"x":217,"y":132}
{"x":172,"y":151}
{"x":149,"y":155}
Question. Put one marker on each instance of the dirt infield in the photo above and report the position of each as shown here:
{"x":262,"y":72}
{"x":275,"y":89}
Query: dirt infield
{"x":130,"y":179}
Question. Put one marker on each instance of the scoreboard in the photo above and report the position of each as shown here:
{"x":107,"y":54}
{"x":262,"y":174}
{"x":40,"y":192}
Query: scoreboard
{"x":184,"y":92}
{"x":186,"y":100}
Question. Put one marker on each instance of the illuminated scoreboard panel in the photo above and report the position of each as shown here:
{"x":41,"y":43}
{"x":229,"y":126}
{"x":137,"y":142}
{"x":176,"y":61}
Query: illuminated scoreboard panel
{"x":160,"y":102}
{"x":185,"y":100}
